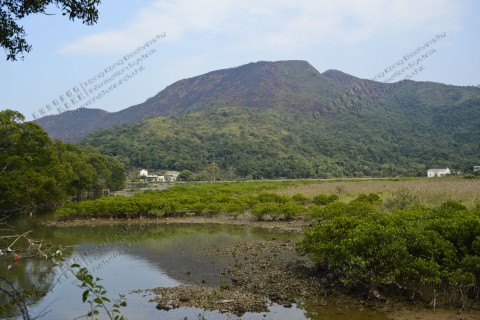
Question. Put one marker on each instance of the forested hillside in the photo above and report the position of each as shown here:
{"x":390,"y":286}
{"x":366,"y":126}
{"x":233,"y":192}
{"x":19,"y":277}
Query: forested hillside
{"x":294,"y":85}
{"x":286,"y":119}
{"x":382,"y":140}
{"x":35,"y":171}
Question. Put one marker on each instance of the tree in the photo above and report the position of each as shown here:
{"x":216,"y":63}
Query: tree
{"x":185,"y":175}
{"x":12,"y":35}
{"x":35,"y":171}
{"x":28,"y":165}
{"x":213,"y":170}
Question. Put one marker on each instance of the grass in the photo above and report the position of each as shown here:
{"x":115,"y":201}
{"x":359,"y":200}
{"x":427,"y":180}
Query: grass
{"x":430,"y":191}
{"x":278,"y":199}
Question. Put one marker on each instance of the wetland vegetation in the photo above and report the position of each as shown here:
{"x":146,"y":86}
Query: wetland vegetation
{"x":397,"y":240}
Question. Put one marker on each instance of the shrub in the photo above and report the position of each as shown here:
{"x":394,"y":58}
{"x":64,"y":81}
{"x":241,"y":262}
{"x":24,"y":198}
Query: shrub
{"x":419,"y":249}
{"x":272,"y":197}
{"x":300,"y":199}
{"x":261,"y":210}
{"x":323,"y":199}
{"x":401,"y":200}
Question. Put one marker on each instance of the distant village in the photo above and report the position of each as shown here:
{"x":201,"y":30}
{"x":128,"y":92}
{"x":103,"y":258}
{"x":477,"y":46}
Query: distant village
{"x":172,"y":176}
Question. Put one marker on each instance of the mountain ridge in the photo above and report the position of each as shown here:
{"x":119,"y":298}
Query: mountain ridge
{"x":291,"y":84}
{"x":286,"y":119}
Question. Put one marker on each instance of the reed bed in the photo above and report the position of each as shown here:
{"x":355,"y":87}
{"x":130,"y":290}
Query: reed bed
{"x":430,"y":191}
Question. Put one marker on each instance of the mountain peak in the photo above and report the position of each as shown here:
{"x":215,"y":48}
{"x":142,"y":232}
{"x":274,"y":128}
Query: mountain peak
{"x":288,"y":84}
{"x":341,"y":79}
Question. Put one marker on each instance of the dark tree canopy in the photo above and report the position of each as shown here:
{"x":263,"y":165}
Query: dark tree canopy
{"x":12,"y":35}
{"x":36,"y":171}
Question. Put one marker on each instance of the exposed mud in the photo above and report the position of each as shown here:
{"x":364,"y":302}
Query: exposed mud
{"x":272,"y":271}
{"x":296,"y":225}
{"x":223,"y":300}
{"x":263,"y":271}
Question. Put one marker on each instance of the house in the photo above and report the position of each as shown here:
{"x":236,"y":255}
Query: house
{"x":144,"y":176}
{"x":476,"y":168}
{"x":437,"y":172}
{"x":171,"y":175}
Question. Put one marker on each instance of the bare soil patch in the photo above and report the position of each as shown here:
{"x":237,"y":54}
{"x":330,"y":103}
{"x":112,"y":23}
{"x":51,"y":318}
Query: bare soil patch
{"x":223,"y":300}
{"x":265,"y":271}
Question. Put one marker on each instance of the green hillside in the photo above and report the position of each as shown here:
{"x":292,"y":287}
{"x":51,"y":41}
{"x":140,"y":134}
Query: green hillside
{"x":417,"y":126}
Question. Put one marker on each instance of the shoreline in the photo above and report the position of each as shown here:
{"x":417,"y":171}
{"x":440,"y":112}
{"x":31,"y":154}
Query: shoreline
{"x":271,"y":271}
{"x":255,"y":279}
{"x":296,"y":225}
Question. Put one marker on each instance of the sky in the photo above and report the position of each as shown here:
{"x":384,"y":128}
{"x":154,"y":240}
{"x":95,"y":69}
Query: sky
{"x":139,"y":47}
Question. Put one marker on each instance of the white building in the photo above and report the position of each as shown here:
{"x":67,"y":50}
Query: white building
{"x":476,"y":168}
{"x":171,"y":175}
{"x":437,"y":172}
{"x":144,"y":176}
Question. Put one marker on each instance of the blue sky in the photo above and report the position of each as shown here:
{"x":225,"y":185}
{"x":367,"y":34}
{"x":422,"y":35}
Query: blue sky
{"x":359,"y":37}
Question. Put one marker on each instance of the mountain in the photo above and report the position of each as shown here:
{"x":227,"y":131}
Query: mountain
{"x":404,"y":135}
{"x":285,"y":119}
{"x":281,"y":85}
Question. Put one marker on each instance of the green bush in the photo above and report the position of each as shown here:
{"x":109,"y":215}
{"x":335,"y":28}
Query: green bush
{"x":419,"y":249}
{"x":323,"y":199}
{"x":272,"y":197}
{"x":290,"y":210}
{"x":401,"y":200}
{"x":261,"y":210}
{"x":300,"y":199}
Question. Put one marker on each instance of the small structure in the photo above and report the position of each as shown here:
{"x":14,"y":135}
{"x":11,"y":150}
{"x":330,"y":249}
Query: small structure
{"x":437,"y":172}
{"x":476,"y":168}
{"x":171,"y":175}
{"x":144,"y":176}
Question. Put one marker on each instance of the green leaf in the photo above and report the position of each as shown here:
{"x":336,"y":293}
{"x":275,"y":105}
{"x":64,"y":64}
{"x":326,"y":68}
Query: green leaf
{"x":85,"y":295}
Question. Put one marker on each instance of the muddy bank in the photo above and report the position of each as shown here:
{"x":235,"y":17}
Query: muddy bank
{"x":272,"y":269}
{"x":221,"y":299}
{"x":261,"y":272}
{"x":296,"y":225}
{"x":266,"y":271}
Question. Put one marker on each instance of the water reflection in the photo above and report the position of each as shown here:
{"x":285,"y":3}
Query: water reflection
{"x":128,"y":257}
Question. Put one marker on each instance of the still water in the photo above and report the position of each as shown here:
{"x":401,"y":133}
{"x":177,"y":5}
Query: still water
{"x":129,"y":258}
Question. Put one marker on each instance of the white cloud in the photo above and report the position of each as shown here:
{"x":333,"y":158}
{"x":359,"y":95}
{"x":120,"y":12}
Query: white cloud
{"x":271,"y":25}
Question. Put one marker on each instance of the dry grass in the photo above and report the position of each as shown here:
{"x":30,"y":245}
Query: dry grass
{"x":431,"y":191}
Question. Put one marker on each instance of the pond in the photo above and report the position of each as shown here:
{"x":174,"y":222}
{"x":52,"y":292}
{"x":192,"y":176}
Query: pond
{"x":131,"y":257}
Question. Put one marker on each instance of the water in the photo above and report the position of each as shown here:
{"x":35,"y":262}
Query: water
{"x":128,"y":258}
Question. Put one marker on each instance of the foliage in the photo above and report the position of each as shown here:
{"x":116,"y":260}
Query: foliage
{"x":185,"y":175}
{"x":300,"y":199}
{"x":19,"y":293}
{"x":428,"y":191}
{"x":323,"y":199}
{"x":267,"y":143}
{"x":96,"y":296}
{"x":358,"y":208}
{"x":36,"y":171}
{"x":12,"y":35}
{"x":202,"y":199}
{"x":400,"y":200}
{"x":419,"y":249}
